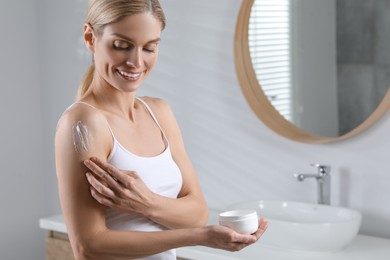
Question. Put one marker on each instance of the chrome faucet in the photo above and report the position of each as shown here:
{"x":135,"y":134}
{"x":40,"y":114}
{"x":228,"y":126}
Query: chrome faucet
{"x":323,"y":181}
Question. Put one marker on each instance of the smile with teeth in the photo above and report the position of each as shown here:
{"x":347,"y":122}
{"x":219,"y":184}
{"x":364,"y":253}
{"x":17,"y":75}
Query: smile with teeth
{"x":129,"y":75}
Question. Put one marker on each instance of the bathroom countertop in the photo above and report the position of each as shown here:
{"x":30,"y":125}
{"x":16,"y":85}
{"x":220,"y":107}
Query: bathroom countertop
{"x":361,"y":248}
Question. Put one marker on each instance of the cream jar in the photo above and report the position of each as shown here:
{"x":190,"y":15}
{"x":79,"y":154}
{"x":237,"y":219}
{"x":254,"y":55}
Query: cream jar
{"x":242,"y":221}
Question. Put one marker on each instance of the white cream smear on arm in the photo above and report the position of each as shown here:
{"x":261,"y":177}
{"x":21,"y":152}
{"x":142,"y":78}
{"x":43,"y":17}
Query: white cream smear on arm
{"x":81,"y":137}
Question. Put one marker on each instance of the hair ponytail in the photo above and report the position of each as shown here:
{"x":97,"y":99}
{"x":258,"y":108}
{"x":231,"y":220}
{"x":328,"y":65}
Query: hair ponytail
{"x":85,"y":82}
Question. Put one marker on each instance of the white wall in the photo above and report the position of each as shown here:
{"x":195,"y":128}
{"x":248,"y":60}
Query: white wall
{"x":22,"y":189}
{"x":236,"y":156}
{"x":63,"y":61}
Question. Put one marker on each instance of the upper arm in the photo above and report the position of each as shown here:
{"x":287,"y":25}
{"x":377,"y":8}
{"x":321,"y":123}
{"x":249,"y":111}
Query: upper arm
{"x":79,"y":135}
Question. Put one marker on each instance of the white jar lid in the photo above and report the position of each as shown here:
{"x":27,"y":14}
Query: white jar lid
{"x":235,"y":215}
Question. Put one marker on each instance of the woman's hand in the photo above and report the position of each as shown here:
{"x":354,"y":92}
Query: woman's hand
{"x":118,"y":189}
{"x":225,"y":238}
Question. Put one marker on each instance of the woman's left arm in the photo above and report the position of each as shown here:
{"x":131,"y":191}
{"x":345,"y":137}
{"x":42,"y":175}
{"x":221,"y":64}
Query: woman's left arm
{"x":125,"y":191}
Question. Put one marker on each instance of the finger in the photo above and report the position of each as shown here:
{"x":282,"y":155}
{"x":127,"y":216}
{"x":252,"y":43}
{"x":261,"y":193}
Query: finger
{"x":239,"y":246}
{"x":101,"y":199}
{"x":102,"y":164}
{"x":99,"y":187}
{"x":103,"y":174}
{"x":121,"y":182}
{"x":95,"y":167}
{"x":252,"y":238}
{"x":263,"y":224}
{"x":114,"y":172}
{"x":132,"y":174}
{"x":108,"y":168}
{"x":245,"y":239}
{"x":109,"y":202}
{"x":124,"y":177}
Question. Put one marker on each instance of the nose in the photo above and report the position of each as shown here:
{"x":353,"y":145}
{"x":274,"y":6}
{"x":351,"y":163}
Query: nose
{"x":135,"y":58}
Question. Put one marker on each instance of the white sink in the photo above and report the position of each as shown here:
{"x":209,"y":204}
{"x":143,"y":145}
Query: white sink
{"x":304,"y":226}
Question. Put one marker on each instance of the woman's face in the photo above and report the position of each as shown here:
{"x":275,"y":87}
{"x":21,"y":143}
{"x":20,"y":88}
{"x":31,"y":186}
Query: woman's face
{"x":126,"y":51}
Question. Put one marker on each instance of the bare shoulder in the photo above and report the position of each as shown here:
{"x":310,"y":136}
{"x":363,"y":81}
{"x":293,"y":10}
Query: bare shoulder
{"x":81,"y":113}
{"x":165,"y":116}
{"x":83,"y":121}
{"x":159,"y":106}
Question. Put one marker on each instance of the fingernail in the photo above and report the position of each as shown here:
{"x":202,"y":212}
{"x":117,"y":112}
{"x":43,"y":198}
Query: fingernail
{"x":87,"y":163}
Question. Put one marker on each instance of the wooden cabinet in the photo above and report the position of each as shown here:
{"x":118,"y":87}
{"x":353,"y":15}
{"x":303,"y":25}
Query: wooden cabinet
{"x":58,"y":247}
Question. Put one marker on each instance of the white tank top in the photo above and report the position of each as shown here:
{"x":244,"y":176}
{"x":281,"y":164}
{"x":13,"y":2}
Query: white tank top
{"x":159,"y":173}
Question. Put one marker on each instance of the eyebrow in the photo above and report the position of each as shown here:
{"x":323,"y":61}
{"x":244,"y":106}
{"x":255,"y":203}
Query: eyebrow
{"x":131,"y":40}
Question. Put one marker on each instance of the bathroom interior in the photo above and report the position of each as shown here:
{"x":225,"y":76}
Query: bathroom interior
{"x":239,"y":150}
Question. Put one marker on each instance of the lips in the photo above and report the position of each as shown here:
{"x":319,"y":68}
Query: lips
{"x":130,"y":75}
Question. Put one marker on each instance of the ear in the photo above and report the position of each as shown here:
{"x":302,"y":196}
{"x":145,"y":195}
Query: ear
{"x":89,"y":37}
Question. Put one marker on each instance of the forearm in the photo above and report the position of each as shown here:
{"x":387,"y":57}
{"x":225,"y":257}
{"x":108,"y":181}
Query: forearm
{"x":134,"y":245}
{"x":110,"y":245}
{"x":185,"y":212}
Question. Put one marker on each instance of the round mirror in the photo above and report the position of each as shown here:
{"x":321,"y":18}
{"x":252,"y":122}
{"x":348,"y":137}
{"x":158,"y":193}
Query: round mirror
{"x":312,"y":70}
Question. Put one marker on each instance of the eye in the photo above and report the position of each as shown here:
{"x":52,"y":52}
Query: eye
{"x":121,"y":45}
{"x":151,"y":48}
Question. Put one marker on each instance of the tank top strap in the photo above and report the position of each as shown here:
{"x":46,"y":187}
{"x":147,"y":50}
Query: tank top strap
{"x":85,"y":103}
{"x":151,"y":113}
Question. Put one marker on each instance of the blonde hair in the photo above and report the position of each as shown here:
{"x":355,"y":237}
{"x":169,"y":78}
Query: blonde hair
{"x":100,"y":13}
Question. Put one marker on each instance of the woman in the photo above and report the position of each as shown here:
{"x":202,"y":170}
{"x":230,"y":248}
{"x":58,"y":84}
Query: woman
{"x":154,"y":201}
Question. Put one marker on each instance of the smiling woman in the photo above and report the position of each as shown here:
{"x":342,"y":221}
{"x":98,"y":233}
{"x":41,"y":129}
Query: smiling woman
{"x":127,"y":187}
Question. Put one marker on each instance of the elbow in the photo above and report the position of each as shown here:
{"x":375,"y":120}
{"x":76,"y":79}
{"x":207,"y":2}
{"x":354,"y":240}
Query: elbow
{"x":80,"y":251}
{"x":83,"y":251}
{"x":203,"y":217}
{"x":86,"y":249}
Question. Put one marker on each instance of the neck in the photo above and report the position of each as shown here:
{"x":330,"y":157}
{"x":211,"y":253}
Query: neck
{"x":113,"y":100}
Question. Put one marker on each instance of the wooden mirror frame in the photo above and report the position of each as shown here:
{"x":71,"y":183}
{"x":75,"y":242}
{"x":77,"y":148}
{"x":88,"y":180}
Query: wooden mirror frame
{"x":260,"y":104}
